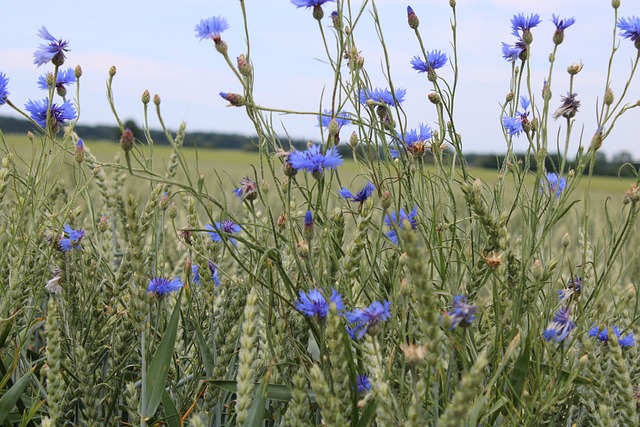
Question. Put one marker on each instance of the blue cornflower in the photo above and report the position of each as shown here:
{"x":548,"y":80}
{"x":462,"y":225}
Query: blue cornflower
{"x":248,"y":189}
{"x":513,"y":52}
{"x":603,"y":336}
{"x":363,"y":383}
{"x":556,"y":184}
{"x":560,"y":327}
{"x":524,"y":23}
{"x":211,"y":28}
{"x":462,"y":313}
{"x":4,"y":92}
{"x":58,"y":115}
{"x":214,"y":273}
{"x":574,"y":287}
{"x":312,"y":160}
{"x":630,"y":29}
{"x":435,"y":59}
{"x":54,"y":51}
{"x":562,"y":24}
{"x":396,"y":219}
{"x":195,"y":271}
{"x":416,"y":141}
{"x":73,"y":239}
{"x":64,"y":78}
{"x":342,"y":118}
{"x":383,"y":95}
{"x":365,"y":319}
{"x":313,"y":303}
{"x":161,"y":285}
{"x":513,"y":125}
{"x":226,"y":227}
{"x":309,"y":3}
{"x":361,"y":196}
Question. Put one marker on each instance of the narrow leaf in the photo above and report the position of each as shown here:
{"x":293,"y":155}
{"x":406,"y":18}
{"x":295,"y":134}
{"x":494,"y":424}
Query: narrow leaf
{"x":172,"y":417}
{"x":11,"y":396}
{"x":257,"y":409}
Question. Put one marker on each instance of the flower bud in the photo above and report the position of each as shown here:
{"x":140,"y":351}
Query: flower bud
{"x":596,"y":141}
{"x":146,"y":97}
{"x":49,"y":80}
{"x":527,"y":37}
{"x":173,"y":210}
{"x":353,"y":140}
{"x":112,"y":71}
{"x":77,"y":72}
{"x":335,"y":18}
{"x":221,"y":45}
{"x":608,"y":96}
{"x":308,"y":226}
{"x":434,"y":98}
{"x":509,"y":96}
{"x":103,"y":224}
{"x":318,"y":13}
{"x":558,"y":36}
{"x":264,"y":186}
{"x":235,"y":100}
{"x":164,"y":201}
{"x":566,"y":240}
{"x":537,"y":270}
{"x":156,"y":99}
{"x":30,"y":136}
{"x":574,"y":69}
{"x":79,"y":151}
{"x":385,"y":200}
{"x":126,"y":140}
{"x":333,"y":127}
{"x":412,"y":18}
{"x":245,"y":67}
{"x":452,"y":3}
{"x":615,"y":4}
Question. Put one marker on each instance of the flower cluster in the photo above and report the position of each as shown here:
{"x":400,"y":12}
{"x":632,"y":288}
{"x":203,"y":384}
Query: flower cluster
{"x":524,"y":24}
{"x":384,"y":96}
{"x":603,"y":336}
{"x":64,"y":77}
{"x":520,"y":123}
{"x":72,"y":239}
{"x":162,"y":286}
{"x":396,"y":220}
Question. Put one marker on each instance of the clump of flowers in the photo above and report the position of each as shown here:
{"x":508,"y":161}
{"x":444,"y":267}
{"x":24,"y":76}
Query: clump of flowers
{"x":162,"y":285}
{"x":4,"y":92}
{"x":365,"y":320}
{"x":520,"y":123}
{"x":396,"y":220}
{"x":227,"y":227}
{"x":314,"y":161}
{"x":415,"y":141}
{"x":72,"y":239}
{"x":314,"y":304}
{"x":559,"y":329}
{"x":603,"y":336}
{"x":461,"y":313}
{"x":51,"y":52}
{"x":58,"y":115}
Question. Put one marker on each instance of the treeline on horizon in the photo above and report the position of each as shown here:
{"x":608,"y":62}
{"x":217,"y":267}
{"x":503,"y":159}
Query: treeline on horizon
{"x":617,"y":165}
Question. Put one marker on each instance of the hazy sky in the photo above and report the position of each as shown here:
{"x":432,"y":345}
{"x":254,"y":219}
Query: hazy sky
{"x":154,"y":47}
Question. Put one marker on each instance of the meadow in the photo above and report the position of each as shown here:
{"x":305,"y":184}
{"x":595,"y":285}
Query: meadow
{"x":162,"y":285}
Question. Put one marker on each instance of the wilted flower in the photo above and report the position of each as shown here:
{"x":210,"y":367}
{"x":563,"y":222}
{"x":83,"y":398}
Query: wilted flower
{"x":569,"y":106}
{"x":161,"y":285}
{"x":313,"y":160}
{"x":73,"y":239}
{"x":574,"y":287}
{"x":383,"y":95}
{"x":58,"y":115}
{"x":364,"y":319}
{"x":195,"y":272}
{"x":435,"y":59}
{"x":248,"y":189}
{"x":603,"y":336}
{"x":363,"y":383}
{"x":555,"y":184}
{"x":313,"y":303}
{"x":514,"y":125}
{"x":4,"y":92}
{"x":416,"y":141}
{"x":461,"y":313}
{"x":361,"y":196}
{"x":630,"y":29}
{"x":396,"y":219}
{"x":226,"y":227}
{"x":63,"y":78}
{"x":54,"y":51}
{"x":211,"y":28}
{"x":53,"y":285}
{"x":560,"y":327}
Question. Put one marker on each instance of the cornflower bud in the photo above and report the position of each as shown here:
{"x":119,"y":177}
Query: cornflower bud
{"x":164,"y":201}
{"x":146,"y":97}
{"x":608,"y":96}
{"x":235,"y":100}
{"x":615,"y":4}
{"x":527,"y":36}
{"x":353,"y":140}
{"x":103,"y":224}
{"x":308,"y":226}
{"x":385,"y":200}
{"x":596,"y":141}
{"x":79,"y":151}
{"x":77,"y":72}
{"x":452,"y":3}
{"x":112,"y":71}
{"x":245,"y":67}
{"x":574,"y":69}
{"x":509,"y":96}
{"x":412,"y":18}
{"x":434,"y":98}
{"x":318,"y":13}
{"x":335,"y":18}
{"x":537,"y":270}
{"x":173,"y":210}
{"x":566,"y":240}
{"x":126,"y":140}
{"x":156,"y":99}
{"x":333,"y":127}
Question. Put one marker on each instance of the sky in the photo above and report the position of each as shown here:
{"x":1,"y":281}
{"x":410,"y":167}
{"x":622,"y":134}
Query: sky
{"x":154,"y":47}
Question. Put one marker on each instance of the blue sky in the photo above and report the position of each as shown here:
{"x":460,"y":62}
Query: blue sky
{"x":154,"y":47}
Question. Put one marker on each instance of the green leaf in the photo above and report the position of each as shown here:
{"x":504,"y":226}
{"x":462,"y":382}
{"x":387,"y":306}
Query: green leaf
{"x":274,"y":391}
{"x":172,"y":416}
{"x":11,"y":396}
{"x":257,"y":409}
{"x":207,"y":357}
{"x":368,"y":413}
{"x":518,"y":375}
{"x":159,"y":366}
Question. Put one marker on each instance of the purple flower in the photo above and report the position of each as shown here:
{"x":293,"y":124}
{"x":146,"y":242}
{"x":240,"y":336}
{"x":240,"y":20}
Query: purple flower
{"x":560,"y":327}
{"x":363,"y":383}
{"x":309,"y":3}
{"x":64,"y":78}
{"x":211,"y":27}
{"x":513,"y":125}
{"x":562,"y":24}
{"x":512,"y":52}
{"x":524,"y":23}
{"x":555,"y":184}
{"x":361,"y":196}
{"x":396,"y":219}
{"x":630,"y":29}
{"x":73,"y":239}
{"x":342,"y":118}
{"x":54,"y":51}
{"x":58,"y":115}
{"x":225,"y":227}
{"x":383,"y":95}
{"x":161,"y":285}
{"x":366,"y":318}
{"x":214,"y":273}
{"x":312,"y":160}
{"x":568,"y":107}
{"x":574,"y":287}
{"x":416,"y":141}
{"x":248,"y":189}
{"x":461,"y":312}
{"x":603,"y":336}
{"x":435,"y":59}
{"x":313,"y":303}
{"x":195,"y":271}
{"x":4,"y":92}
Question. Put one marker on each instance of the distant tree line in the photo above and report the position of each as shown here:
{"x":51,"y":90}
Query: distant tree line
{"x":603,"y":165}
